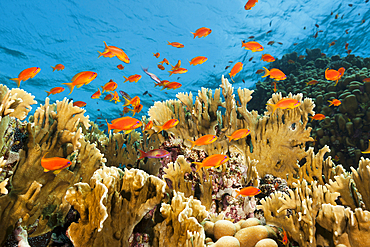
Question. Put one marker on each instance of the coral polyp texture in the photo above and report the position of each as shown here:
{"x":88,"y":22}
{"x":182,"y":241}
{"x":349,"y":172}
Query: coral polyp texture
{"x":303,"y":198}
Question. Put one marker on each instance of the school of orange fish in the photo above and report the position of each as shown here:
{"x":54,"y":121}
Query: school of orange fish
{"x":127,"y":124}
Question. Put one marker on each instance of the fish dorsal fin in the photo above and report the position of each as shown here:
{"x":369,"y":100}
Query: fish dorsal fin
{"x":118,"y":119}
{"x":77,"y":75}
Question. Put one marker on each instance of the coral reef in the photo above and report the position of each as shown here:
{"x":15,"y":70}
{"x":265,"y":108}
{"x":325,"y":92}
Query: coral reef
{"x":181,"y":223}
{"x":124,"y":198}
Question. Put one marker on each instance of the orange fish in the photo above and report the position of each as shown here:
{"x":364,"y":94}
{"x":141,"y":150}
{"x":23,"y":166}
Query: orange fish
{"x":112,"y":51}
{"x":285,"y":238}
{"x":323,"y":54}
{"x":267,"y":58}
{"x":252,"y":45}
{"x":125,"y":110}
{"x":58,"y":67}
{"x":203,"y":140}
{"x":312,"y":82}
{"x":156,"y":54}
{"x":26,"y":74}
{"x":235,"y":70}
{"x":120,"y":66}
{"x":286,"y":103}
{"x":212,"y":161}
{"x":109,"y":86}
{"x":238,"y":134}
{"x":334,"y":102}
{"x":134,"y":101}
{"x":259,"y":71}
{"x":178,"y":71}
{"x":367,"y":151}
{"x":161,"y":67}
{"x":80,"y":79}
{"x":202,"y":32}
{"x":317,"y":117}
{"x":124,"y":123}
{"x":162,"y":83}
{"x":136,"y":109}
{"x":148,"y":126}
{"x":248,"y":191}
{"x":301,"y":56}
{"x":132,"y":78}
{"x":346,"y":31}
{"x":175,"y":44}
{"x":295,"y":43}
{"x":332,"y":43}
{"x":349,"y":51}
{"x":366,"y":80}
{"x":177,"y":65}
{"x":96,"y":95}
{"x":346,"y":46}
{"x":172,"y":85}
{"x":108,"y":97}
{"x":198,"y":60}
{"x":334,"y":75}
{"x":79,"y":103}
{"x":250,"y":4}
{"x":290,"y":61}
{"x":55,"y":164}
{"x":155,"y":153}
{"x":275,"y":74}
{"x":115,"y":97}
{"x":167,"y":125}
{"x":55,"y":90}
{"x":164,"y":61}
{"x":271,"y":43}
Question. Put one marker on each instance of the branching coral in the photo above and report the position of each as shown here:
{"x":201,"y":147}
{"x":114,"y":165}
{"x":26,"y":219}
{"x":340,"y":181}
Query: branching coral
{"x":124,"y":199}
{"x":297,"y":211}
{"x":15,"y":103}
{"x":176,"y":174}
{"x":35,"y":193}
{"x":180,"y":217}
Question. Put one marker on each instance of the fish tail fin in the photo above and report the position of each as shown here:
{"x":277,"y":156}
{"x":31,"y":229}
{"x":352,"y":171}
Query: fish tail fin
{"x":100,"y":54}
{"x":230,"y":138}
{"x":16,"y":80}
{"x":53,"y":68}
{"x":142,"y":154}
{"x":171,"y":72}
{"x":273,"y":108}
{"x":311,"y":118}
{"x":199,"y":165}
{"x":160,"y":128}
{"x":48,"y":93}
{"x":330,"y":102}
{"x":231,"y":77}
{"x":168,"y":42}
{"x":126,"y":79}
{"x":237,"y":193}
{"x":194,"y":35}
{"x":192,"y":143}
{"x":70,"y":86}
{"x":267,"y":72}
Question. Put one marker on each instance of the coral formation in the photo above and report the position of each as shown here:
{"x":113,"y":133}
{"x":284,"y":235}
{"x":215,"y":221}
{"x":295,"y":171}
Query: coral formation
{"x":124,"y":198}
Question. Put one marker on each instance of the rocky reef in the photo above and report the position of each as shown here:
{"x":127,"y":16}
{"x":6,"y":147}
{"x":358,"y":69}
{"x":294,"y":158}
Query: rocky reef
{"x":109,"y":196}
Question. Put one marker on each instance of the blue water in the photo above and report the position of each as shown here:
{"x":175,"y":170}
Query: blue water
{"x":45,"y":33}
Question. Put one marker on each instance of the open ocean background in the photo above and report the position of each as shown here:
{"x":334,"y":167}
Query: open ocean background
{"x":42,"y":33}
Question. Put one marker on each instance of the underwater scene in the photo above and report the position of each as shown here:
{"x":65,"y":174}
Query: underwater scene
{"x":185,"y":123}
